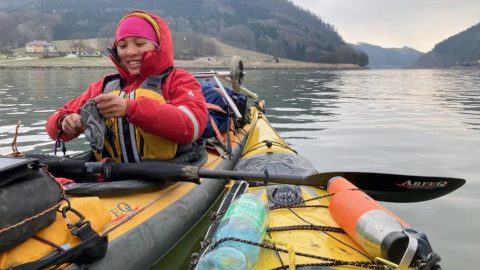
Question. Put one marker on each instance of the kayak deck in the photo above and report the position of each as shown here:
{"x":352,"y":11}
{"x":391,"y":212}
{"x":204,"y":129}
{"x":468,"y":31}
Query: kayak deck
{"x":305,"y":234}
{"x":300,"y":232}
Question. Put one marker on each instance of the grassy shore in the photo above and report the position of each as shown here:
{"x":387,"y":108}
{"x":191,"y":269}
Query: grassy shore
{"x":201,"y":63}
{"x":251,"y":59}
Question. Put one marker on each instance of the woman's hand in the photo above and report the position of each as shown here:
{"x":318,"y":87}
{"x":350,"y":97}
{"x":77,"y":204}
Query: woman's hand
{"x":111,"y":106}
{"x":72,"y":126}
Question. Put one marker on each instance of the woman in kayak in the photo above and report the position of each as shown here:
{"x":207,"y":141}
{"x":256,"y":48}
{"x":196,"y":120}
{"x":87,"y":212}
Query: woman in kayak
{"x":151,"y":109}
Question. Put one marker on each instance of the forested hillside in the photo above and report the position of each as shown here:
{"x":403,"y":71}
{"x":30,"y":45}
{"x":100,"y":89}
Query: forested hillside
{"x":379,"y":57}
{"x":276,"y":27}
{"x":462,"y":49}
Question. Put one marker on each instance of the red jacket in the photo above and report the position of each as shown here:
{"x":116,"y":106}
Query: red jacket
{"x":181,"y":120}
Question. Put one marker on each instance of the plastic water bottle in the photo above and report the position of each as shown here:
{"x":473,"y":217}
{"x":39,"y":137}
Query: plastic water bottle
{"x":245,"y":219}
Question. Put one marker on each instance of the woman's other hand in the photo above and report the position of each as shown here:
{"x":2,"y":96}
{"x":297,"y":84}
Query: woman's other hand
{"x":111,"y":106}
{"x":72,"y":126}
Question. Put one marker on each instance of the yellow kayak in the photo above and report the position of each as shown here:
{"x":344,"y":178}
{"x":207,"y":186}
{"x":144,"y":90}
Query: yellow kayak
{"x":311,"y":226}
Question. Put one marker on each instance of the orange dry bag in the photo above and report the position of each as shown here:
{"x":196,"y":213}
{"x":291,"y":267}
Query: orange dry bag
{"x":378,"y":231}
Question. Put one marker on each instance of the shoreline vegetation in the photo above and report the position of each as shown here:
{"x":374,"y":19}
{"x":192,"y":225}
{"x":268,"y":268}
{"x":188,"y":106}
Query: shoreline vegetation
{"x":251,"y":60}
{"x":200,"y":63}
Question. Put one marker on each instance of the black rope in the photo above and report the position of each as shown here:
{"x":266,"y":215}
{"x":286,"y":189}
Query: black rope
{"x":305,"y":227}
{"x":366,"y":265}
{"x":301,"y":204}
{"x":331,"y":261}
{"x":48,"y":242}
{"x":338,"y":240}
{"x":296,"y":205}
{"x":323,"y":229}
{"x":263,"y":143}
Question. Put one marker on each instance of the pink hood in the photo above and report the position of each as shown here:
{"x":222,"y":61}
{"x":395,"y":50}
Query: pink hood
{"x":155,"y":61}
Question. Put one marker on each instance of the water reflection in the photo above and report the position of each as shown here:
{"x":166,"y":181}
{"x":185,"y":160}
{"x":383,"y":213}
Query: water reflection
{"x":31,"y":96}
{"x":297,"y":100}
{"x":424,"y":122}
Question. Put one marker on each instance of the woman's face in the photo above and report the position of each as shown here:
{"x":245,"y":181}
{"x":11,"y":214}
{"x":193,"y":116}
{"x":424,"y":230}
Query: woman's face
{"x":130,"y":51}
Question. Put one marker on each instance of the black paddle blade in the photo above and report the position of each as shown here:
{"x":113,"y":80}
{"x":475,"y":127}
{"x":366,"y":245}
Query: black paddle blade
{"x":380,"y":186}
{"x":394,"y":187}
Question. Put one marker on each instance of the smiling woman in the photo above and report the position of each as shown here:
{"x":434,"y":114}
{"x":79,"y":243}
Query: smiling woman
{"x":136,"y":103}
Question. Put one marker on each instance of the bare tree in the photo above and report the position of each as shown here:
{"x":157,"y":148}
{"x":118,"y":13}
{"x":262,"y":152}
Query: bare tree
{"x":7,"y":51}
{"x":18,"y":28}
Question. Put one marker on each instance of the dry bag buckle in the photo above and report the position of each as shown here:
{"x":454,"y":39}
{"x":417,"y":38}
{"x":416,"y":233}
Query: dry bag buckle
{"x":76,"y":227}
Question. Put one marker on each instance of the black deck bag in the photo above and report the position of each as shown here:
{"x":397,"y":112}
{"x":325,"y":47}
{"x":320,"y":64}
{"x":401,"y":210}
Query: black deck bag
{"x":28,"y":199}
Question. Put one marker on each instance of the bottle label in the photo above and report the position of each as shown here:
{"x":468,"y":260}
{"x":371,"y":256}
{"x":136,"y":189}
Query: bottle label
{"x":250,"y":210}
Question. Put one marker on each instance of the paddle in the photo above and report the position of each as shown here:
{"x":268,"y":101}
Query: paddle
{"x":380,"y":186}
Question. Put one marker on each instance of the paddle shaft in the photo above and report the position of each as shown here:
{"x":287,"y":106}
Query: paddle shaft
{"x":253,"y":176}
{"x":380,"y":186}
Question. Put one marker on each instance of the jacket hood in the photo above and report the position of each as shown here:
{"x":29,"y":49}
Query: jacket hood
{"x":155,"y":61}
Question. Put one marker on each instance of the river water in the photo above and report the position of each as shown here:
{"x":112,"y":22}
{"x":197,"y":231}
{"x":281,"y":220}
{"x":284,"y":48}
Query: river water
{"x":420,"y":122}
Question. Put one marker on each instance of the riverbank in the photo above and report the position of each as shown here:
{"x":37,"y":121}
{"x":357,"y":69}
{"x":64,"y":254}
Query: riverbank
{"x":201,"y":63}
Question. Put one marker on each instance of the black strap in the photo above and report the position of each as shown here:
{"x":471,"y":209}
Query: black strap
{"x":87,"y":252}
{"x":92,"y":248}
{"x":59,"y":143}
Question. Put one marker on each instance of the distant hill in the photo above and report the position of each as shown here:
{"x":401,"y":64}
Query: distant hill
{"x":276,"y":27}
{"x":380,"y":57}
{"x":462,"y":49}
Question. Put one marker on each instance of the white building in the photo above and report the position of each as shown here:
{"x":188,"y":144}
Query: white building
{"x":40,"y":47}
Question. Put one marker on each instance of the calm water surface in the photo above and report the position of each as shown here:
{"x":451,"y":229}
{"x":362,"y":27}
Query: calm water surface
{"x":422,"y":122}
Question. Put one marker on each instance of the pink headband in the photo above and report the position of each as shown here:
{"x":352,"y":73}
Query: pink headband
{"x":134,"y":26}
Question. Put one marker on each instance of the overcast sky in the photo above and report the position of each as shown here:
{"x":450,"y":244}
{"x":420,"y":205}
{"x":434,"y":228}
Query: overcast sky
{"x":418,"y":24}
